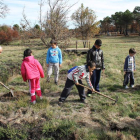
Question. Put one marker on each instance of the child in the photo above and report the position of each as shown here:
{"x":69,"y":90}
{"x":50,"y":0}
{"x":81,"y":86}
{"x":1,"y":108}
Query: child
{"x":31,"y":70}
{"x":129,"y":68}
{"x":95,"y":54}
{"x":53,"y":60}
{"x":0,"y":49}
{"x":74,"y":77}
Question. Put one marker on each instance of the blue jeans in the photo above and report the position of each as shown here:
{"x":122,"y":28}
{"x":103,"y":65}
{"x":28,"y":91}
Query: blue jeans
{"x":95,"y":79}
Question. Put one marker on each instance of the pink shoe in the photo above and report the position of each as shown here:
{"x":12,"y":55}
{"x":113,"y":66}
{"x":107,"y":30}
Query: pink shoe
{"x":33,"y":98}
{"x":34,"y":102}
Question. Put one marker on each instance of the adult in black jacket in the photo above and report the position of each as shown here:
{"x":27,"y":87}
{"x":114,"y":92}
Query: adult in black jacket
{"x":95,"y":54}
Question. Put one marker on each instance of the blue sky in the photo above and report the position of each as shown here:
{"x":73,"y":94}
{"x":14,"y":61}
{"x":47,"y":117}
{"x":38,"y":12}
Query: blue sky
{"x":102,"y":9}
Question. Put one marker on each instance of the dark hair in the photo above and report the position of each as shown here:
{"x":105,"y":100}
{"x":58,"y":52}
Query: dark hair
{"x":53,"y":41}
{"x":98,"y":42}
{"x":27,"y":52}
{"x":91,"y":64}
{"x":132,"y":50}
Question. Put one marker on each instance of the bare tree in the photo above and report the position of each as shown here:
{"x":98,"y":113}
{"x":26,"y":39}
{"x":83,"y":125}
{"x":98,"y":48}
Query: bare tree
{"x":3,"y":9}
{"x":54,"y":24}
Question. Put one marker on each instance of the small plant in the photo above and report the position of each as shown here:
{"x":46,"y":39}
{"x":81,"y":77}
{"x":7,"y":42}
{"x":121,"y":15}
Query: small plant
{"x":134,"y":115}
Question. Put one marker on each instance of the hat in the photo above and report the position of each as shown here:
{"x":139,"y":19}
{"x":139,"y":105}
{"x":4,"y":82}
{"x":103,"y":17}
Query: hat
{"x":98,"y":42}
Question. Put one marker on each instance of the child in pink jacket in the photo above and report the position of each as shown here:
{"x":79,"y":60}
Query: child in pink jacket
{"x":32,"y":70}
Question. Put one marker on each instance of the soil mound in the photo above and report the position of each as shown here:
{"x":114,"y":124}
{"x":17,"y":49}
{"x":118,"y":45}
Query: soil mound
{"x":8,"y":96}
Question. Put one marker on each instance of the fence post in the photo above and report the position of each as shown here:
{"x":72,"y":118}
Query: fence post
{"x":76,"y":46}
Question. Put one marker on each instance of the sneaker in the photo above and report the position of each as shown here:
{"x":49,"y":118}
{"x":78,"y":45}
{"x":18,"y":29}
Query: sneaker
{"x":56,"y":83}
{"x":60,"y":103}
{"x":88,"y":95}
{"x":126,"y":87}
{"x":83,"y":101}
{"x":34,"y":102}
{"x":132,"y":86}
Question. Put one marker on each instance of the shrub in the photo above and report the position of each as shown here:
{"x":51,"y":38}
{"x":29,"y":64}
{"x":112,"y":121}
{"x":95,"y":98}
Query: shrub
{"x":7,"y":34}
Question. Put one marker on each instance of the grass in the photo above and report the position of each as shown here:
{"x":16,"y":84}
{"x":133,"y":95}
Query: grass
{"x":59,"y":129}
{"x":13,"y":134}
{"x":72,"y":120}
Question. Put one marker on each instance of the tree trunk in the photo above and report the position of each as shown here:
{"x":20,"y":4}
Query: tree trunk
{"x":126,"y":30}
{"x":139,"y":29}
{"x":120,"y":29}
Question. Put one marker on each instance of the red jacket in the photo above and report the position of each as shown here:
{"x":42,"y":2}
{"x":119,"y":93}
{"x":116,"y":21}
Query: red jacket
{"x":31,"y":68}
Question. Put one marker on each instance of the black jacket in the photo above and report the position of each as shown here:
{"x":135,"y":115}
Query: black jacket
{"x":96,"y":56}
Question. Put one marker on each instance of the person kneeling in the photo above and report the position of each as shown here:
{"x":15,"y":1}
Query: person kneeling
{"x":74,"y":78}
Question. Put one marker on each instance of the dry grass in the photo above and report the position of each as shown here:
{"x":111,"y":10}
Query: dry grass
{"x":99,"y":119}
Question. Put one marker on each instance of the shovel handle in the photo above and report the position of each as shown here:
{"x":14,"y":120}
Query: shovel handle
{"x":84,"y":86}
{"x":4,"y":85}
{"x":98,"y":92}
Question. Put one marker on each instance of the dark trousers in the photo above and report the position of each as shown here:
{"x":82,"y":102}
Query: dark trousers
{"x":95,"y":79}
{"x":68,"y":86}
{"x":128,"y":76}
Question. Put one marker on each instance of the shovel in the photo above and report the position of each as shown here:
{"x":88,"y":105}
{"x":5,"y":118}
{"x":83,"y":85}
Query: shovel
{"x":100,"y":93}
{"x":8,"y":89}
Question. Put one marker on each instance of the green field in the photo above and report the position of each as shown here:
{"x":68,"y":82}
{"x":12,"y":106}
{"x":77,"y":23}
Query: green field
{"x":99,"y":119}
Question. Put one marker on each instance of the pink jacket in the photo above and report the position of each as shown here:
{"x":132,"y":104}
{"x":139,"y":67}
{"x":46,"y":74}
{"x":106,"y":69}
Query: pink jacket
{"x":31,"y":68}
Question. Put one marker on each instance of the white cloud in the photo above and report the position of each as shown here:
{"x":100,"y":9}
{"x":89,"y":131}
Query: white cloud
{"x":102,"y":8}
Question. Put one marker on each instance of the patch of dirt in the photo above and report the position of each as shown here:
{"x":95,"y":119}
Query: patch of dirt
{"x":8,"y":96}
{"x":125,"y":123}
{"x":63,"y":72}
{"x":63,"y":77}
{"x":35,"y":132}
{"x":53,"y":94}
{"x":18,"y":84}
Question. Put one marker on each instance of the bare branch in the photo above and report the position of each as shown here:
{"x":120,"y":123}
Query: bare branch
{"x":41,"y":4}
{"x":54,"y":25}
{"x":3,"y":9}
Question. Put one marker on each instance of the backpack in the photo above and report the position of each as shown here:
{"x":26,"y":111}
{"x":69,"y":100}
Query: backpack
{"x":72,"y":69}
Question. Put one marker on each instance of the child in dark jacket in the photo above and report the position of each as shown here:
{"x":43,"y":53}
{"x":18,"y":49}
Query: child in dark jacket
{"x":74,"y":78}
{"x":129,"y":68}
{"x":32,"y":70}
{"x":95,"y":54}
